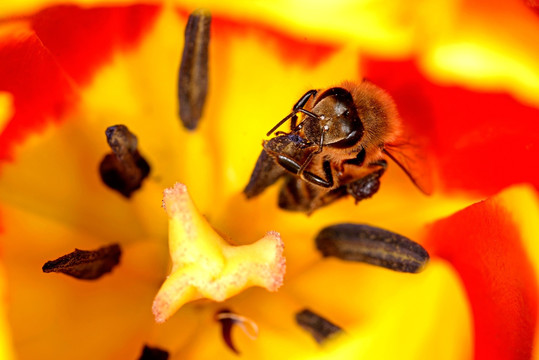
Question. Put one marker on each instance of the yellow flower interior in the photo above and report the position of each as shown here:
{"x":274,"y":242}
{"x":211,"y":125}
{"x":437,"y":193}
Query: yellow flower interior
{"x":53,"y":200}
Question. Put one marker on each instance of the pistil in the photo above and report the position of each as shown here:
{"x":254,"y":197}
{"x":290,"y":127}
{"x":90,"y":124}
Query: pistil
{"x":204,"y":265}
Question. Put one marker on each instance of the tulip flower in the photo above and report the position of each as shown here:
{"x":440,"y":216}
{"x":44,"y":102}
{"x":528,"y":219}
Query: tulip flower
{"x":465,"y":80}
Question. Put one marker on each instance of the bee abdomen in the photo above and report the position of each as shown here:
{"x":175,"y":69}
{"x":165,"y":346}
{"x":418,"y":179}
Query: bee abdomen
{"x":296,"y":195}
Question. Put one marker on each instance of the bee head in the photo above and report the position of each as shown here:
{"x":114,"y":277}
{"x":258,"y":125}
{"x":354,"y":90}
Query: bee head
{"x":337,"y":118}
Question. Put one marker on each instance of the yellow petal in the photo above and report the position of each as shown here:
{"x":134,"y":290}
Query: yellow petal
{"x":523,"y":204}
{"x":6,"y":108}
{"x":389,"y":315}
{"x":204,"y":265}
{"x":6,"y":351}
{"x":65,"y":314}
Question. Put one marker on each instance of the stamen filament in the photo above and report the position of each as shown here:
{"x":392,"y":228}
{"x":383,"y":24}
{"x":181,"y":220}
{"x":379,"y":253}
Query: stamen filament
{"x":227,"y":319}
{"x":251,"y":330}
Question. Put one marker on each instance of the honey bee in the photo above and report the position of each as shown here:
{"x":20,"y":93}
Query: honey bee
{"x":338,"y":148}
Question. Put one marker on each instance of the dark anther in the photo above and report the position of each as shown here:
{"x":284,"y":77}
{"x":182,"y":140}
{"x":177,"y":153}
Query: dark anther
{"x":123,"y":169}
{"x":265,"y":173}
{"x":153,"y":353}
{"x":227,"y":319}
{"x":86,"y":265}
{"x":364,"y":243}
{"x":320,"y":328}
{"x":193,"y":79}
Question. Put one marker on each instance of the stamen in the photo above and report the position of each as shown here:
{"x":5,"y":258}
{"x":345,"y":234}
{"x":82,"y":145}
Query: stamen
{"x":153,"y":353}
{"x":320,"y":328}
{"x":86,"y":265}
{"x":375,"y":246}
{"x":124,"y":169}
{"x":193,"y":79}
{"x":228,"y":319}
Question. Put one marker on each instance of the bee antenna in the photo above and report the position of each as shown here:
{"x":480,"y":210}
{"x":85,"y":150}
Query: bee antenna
{"x":297,"y":108}
{"x":280,"y":123}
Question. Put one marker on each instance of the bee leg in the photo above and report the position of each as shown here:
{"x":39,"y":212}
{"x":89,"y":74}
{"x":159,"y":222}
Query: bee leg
{"x":297,"y":107}
{"x":293,"y":122}
{"x":380,"y":164}
{"x":308,"y":176}
{"x":368,"y":185}
{"x":303,"y":100}
{"x":317,"y":180}
{"x":358,"y":160}
{"x":299,"y":195}
{"x":294,"y":167}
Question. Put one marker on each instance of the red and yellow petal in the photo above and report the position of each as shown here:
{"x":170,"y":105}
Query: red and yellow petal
{"x":110,"y":87}
{"x":45,"y":57}
{"x":6,"y":342}
{"x":488,"y":48}
{"x":40,"y":91}
{"x":482,"y":142}
{"x":487,"y":245}
{"x":53,"y":316}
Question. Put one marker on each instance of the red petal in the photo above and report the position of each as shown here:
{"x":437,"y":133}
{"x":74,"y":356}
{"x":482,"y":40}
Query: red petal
{"x":484,"y":142}
{"x":83,"y":39}
{"x":68,"y":43}
{"x":484,"y":245}
{"x":41,"y":91}
{"x":292,"y":49}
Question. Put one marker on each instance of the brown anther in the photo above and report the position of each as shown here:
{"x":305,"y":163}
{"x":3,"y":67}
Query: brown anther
{"x":86,"y":265}
{"x":375,"y":246}
{"x":320,"y":328}
{"x":153,"y":353}
{"x":193,"y":78}
{"x":123,"y":169}
{"x":228,"y":319}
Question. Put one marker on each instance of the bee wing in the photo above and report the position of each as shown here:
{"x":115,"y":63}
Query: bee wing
{"x":265,"y":173}
{"x":414,"y":162}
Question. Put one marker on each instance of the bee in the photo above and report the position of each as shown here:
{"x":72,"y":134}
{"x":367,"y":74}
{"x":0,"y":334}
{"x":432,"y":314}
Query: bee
{"x":339,"y":147}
